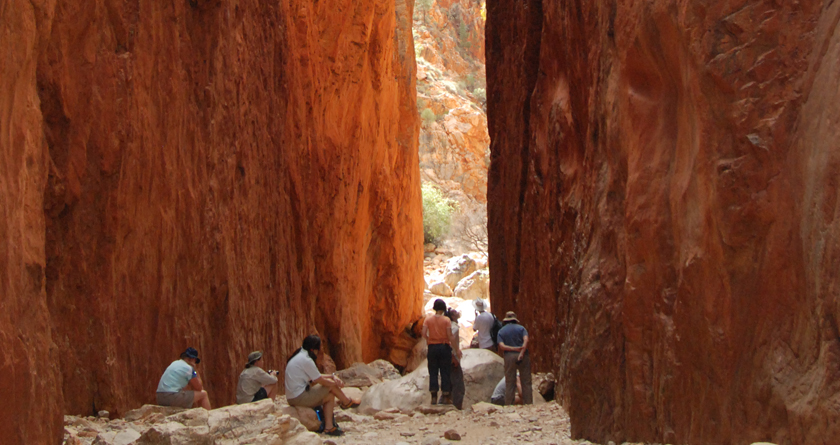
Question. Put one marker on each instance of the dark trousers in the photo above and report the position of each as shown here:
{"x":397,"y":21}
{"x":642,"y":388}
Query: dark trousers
{"x":524,"y":368}
{"x":440,"y":360}
{"x":459,"y":390}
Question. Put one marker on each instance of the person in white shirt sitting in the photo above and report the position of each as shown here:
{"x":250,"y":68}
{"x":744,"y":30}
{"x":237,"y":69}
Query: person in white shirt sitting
{"x":307,"y":387}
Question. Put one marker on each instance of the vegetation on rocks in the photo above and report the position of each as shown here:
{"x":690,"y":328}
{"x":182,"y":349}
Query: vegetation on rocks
{"x":437,"y":213}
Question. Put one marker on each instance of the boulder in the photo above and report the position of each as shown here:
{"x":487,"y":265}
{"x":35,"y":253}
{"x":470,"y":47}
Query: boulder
{"x":361,"y":375}
{"x":385,"y":369}
{"x":306,"y":416}
{"x":353,"y":393}
{"x":123,"y":437}
{"x":190,"y":417}
{"x":543,"y":384}
{"x":417,"y":356}
{"x":476,"y":285}
{"x":482,"y":371}
{"x":440,"y":288}
{"x":485,"y":407}
{"x":147,"y":410}
{"x":458,"y":268}
{"x":252,"y":423}
{"x":451,"y":435}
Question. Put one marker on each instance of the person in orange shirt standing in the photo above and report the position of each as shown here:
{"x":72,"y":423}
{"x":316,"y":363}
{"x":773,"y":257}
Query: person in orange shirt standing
{"x":436,"y":331}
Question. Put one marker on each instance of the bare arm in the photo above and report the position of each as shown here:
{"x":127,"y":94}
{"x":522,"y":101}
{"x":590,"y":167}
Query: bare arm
{"x":329,"y":381}
{"x":195,"y":383}
{"x":455,"y":341}
{"x":426,"y":332}
{"x":506,"y":348}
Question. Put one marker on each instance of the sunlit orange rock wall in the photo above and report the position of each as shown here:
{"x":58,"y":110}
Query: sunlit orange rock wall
{"x":228,"y":175}
{"x":663,"y":212}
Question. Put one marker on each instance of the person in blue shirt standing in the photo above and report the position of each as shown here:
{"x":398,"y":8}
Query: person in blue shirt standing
{"x":513,"y":342}
{"x":180,"y":384}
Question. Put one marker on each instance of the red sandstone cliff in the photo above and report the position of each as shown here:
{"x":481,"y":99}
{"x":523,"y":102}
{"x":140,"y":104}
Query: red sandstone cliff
{"x":227,"y":175}
{"x":663,"y":184}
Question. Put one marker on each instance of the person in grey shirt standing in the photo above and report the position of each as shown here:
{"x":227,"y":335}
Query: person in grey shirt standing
{"x":513,"y":342}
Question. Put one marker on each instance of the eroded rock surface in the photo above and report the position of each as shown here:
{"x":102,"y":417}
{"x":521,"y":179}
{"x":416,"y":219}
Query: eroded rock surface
{"x":230,"y":176}
{"x":253,"y":423}
{"x":663,"y":212}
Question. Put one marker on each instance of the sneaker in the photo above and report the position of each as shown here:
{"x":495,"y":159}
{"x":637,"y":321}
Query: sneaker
{"x":335,"y":431}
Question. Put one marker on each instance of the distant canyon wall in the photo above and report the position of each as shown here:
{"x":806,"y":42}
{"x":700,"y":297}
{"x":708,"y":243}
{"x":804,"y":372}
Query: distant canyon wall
{"x":227,"y":175}
{"x":663,"y":207}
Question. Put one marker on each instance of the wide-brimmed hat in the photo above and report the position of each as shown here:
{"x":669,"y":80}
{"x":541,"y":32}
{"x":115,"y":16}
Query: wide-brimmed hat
{"x":479,"y":304}
{"x":511,"y":316}
{"x":254,"y":356}
{"x":192,"y":353}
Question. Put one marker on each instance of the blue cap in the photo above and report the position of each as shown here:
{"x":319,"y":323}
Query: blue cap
{"x":192,"y":353}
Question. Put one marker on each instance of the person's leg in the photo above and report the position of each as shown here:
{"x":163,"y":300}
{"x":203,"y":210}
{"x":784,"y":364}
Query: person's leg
{"x":446,"y":373}
{"x":271,"y":390}
{"x":201,"y":399}
{"x":344,"y":399}
{"x":434,"y":368}
{"x":329,"y":407}
{"x":458,"y":388}
{"x":510,"y":378}
{"x":525,"y":377}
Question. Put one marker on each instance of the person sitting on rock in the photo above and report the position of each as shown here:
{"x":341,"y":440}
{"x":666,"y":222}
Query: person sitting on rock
{"x":498,"y":397}
{"x":457,"y":375}
{"x":181,"y":385}
{"x":483,"y":323}
{"x":513,"y":342}
{"x":254,"y":383}
{"x":307,"y":387}
{"x":437,"y":330}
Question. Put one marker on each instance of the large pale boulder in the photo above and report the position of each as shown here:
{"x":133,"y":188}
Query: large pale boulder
{"x":440,"y":288}
{"x":254,"y":423}
{"x":482,"y":371}
{"x":458,"y":268}
{"x":476,"y":285}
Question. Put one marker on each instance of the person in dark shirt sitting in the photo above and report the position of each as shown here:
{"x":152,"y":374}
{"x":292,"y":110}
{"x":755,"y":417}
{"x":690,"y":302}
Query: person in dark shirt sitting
{"x":513,"y":342}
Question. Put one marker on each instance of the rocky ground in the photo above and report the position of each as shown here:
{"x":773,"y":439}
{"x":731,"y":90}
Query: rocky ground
{"x":483,"y":424}
{"x":487,"y":424}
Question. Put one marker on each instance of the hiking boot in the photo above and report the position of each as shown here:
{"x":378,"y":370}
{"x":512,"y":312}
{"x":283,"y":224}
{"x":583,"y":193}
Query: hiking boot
{"x":434,"y":398}
{"x":445,"y":399}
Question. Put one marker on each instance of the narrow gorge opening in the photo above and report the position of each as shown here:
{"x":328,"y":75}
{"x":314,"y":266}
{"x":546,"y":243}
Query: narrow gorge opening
{"x":454,"y":152}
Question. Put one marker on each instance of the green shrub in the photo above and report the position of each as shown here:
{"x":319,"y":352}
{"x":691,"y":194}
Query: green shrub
{"x":437,"y":213}
{"x":427,"y":115}
{"x":464,"y":35}
{"x":480,"y":94}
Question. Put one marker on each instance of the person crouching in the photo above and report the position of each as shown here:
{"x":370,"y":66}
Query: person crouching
{"x":254,"y":383}
{"x":180,"y":385}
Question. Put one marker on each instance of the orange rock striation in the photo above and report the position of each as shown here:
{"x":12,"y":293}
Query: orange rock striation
{"x":454,"y":147}
{"x":663,"y":212}
{"x":226,"y":175}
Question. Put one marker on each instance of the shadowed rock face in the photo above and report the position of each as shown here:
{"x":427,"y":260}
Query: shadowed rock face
{"x":663,"y":211}
{"x":226,"y":175}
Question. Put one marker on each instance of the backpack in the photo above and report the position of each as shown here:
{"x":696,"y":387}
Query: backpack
{"x":494,"y":331}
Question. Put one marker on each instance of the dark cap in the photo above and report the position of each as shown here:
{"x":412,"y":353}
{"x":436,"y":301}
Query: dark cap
{"x":191,"y":353}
